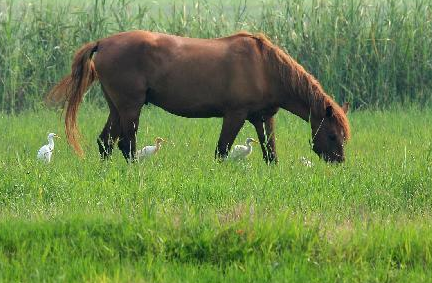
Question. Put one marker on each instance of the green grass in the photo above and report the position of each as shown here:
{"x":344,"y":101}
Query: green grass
{"x":181,"y":217}
{"x":371,"y":53}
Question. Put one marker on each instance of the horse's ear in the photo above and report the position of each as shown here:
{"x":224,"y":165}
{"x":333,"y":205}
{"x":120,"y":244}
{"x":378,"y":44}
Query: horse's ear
{"x":345,"y":107}
{"x":329,"y":111}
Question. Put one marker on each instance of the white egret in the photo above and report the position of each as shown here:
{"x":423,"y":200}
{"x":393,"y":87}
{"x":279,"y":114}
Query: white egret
{"x":150,"y":150}
{"x":306,"y":162}
{"x":46,"y":151}
{"x":242,"y":151}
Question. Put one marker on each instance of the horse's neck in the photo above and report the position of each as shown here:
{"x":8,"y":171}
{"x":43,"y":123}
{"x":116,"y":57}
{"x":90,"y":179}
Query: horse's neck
{"x":301,"y":103}
{"x":299,"y":92}
{"x":294,"y":104}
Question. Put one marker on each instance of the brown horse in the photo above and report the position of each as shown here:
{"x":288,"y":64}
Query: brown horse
{"x":240,"y":77}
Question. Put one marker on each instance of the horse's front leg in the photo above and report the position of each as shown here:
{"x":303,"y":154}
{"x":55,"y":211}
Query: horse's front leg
{"x":232,"y":123}
{"x":266,"y":137}
{"x":259,"y":127}
{"x":271,"y":140}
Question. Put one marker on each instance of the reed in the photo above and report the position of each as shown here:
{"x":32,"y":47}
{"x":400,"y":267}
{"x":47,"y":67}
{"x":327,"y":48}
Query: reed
{"x":369,"y":53}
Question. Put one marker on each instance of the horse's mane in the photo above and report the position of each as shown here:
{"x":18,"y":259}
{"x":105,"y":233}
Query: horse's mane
{"x":294,"y":77}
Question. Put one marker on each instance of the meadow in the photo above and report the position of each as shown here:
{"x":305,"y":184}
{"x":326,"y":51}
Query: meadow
{"x":371,"y":53}
{"x":183,"y":217}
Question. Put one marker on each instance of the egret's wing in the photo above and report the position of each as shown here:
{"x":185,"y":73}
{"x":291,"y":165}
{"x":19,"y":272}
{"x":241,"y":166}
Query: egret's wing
{"x":150,"y":149}
{"x":238,"y":151}
{"x":45,"y":153}
{"x":240,"y":148}
{"x":42,"y":152}
{"x":146,"y":151}
{"x":140,"y":153}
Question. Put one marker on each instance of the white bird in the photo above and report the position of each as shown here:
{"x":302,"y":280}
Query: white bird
{"x":242,"y":151}
{"x":150,"y":150}
{"x":46,"y":151}
{"x":306,"y":162}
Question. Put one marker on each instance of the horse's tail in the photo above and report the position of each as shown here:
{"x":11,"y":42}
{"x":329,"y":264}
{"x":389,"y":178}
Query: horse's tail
{"x":72,"y":88}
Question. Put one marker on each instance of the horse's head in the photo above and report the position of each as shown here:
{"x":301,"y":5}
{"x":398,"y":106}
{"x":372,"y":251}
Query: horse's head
{"x":330,"y":132}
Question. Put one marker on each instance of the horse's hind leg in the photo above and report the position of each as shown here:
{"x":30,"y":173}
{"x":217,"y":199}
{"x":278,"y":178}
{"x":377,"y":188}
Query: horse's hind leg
{"x":232,"y":123}
{"x":111,"y":131}
{"x":109,"y":135}
{"x":129,"y":120}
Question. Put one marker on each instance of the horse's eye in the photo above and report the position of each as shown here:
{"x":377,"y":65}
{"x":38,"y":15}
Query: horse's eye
{"x":332,"y":137}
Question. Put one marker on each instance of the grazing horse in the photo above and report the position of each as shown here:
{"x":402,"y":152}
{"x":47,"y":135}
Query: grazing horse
{"x":239,"y":77}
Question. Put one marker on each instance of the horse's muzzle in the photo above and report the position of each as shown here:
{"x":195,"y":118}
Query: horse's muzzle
{"x":333,"y":157}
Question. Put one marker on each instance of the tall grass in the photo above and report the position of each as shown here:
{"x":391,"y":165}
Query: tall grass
{"x":369,"y":53}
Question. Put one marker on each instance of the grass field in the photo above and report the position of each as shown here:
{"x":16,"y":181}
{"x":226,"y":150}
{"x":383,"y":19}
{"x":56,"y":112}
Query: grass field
{"x":370,"y":53}
{"x":180,"y":216}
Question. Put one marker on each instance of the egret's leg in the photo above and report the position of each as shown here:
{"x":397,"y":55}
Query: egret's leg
{"x":232,"y":123}
{"x":129,"y":121}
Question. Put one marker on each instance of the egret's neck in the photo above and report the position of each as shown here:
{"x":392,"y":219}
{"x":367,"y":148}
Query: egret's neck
{"x":158,"y":146}
{"x":51,"y":143}
{"x":249,"y":146}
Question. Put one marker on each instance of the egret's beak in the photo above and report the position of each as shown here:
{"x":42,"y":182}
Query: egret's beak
{"x":57,"y":136}
{"x":254,"y":141}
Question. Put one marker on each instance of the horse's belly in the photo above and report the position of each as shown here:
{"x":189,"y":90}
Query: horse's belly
{"x":199,"y":113}
{"x":185,"y":106}
{"x":188,"y":112}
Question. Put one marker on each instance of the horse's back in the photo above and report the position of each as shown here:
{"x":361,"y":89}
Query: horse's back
{"x":134,"y":47}
{"x":186,"y":76}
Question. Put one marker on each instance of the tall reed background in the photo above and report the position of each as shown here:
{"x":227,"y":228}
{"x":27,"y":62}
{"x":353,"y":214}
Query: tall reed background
{"x":371,"y":53}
